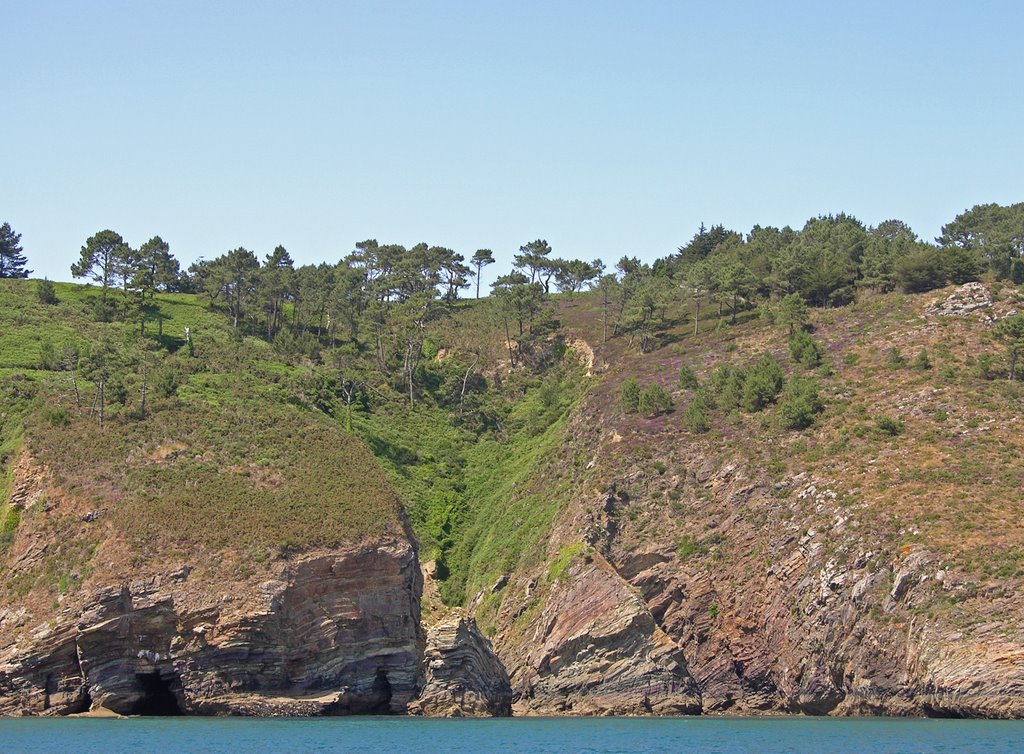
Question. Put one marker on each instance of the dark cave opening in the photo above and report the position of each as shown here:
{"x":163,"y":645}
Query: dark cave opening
{"x":158,"y":700}
{"x":381,"y":694}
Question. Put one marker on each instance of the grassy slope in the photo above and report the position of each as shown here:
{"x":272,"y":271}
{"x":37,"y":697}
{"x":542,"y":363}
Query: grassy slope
{"x":232,"y":462}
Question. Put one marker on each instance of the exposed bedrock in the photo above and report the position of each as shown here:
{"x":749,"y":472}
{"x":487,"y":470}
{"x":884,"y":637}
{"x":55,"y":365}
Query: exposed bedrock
{"x":331,"y":633}
{"x":596,"y":649}
{"x":776,"y":617}
{"x":462,"y":677}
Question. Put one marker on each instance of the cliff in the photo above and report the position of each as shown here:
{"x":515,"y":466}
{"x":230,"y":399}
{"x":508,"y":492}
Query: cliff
{"x":750,"y":570}
{"x":328,"y":631}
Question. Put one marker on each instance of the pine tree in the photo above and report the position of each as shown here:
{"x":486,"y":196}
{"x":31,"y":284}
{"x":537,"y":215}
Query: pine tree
{"x":12,"y":261}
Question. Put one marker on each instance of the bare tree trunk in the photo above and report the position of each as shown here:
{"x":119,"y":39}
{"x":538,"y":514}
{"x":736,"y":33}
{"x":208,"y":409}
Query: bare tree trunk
{"x":465,"y":379}
{"x":102,"y":397}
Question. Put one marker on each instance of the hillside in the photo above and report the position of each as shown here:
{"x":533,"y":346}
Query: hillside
{"x":722,"y":548}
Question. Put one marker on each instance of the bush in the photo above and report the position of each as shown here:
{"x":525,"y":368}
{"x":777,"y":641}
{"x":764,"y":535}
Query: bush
{"x":762,"y":385}
{"x":887,"y":425}
{"x":166,"y":383}
{"x":45,"y":292}
{"x":804,"y":349}
{"x":687,"y":378}
{"x":894,"y":359}
{"x":800,"y":403}
{"x":730,"y":395}
{"x":654,"y":399}
{"x":48,"y":358}
{"x":55,"y":416}
{"x":984,"y":366}
{"x":922,"y":363}
{"x":629,"y":396}
{"x":697,"y":416}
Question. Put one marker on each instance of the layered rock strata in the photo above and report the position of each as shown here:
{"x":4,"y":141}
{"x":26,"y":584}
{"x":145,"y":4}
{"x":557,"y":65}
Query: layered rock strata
{"x":331,"y":633}
{"x":462,"y":675}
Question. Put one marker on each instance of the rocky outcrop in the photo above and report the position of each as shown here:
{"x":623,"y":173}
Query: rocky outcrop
{"x":331,"y":633}
{"x":462,"y":675}
{"x":597,"y":649}
{"x":762,"y":598}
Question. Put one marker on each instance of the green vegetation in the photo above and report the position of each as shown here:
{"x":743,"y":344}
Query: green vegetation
{"x":308,"y":402}
{"x":800,"y":403}
{"x":805,"y":350}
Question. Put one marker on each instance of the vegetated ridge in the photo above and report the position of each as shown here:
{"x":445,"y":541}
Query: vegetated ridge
{"x":771,"y":473}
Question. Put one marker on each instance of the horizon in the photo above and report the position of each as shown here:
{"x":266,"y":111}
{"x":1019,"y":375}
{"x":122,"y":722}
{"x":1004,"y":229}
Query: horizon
{"x":608,"y":131}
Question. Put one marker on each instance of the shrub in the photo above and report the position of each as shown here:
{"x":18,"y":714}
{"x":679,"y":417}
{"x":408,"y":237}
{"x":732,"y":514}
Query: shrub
{"x":922,"y":363}
{"x":48,"y":358}
{"x":654,"y":399}
{"x":55,"y":416}
{"x":629,"y":396}
{"x":731,"y":393}
{"x":697,"y":416}
{"x":894,"y":359}
{"x":762,"y":385}
{"x":983,"y":366}
{"x":804,"y":349}
{"x":687,"y":378}
{"x":166,"y":383}
{"x":45,"y":292}
{"x":887,"y":425}
{"x":800,"y":403}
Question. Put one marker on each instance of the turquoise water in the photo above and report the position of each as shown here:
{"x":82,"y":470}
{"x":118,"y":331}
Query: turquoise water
{"x":528,"y":735}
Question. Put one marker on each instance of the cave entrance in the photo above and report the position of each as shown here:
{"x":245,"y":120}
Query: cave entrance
{"x":157,"y":700}
{"x":381,"y":694}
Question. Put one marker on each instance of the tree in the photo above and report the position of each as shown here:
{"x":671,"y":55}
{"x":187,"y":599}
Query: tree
{"x":994,"y":232}
{"x":629,"y":395}
{"x":452,"y":272}
{"x":607,"y":287}
{"x":800,"y":403}
{"x":793,"y":312}
{"x":1011,"y":332}
{"x":921,"y":271}
{"x":235,"y":274}
{"x":481,"y":258}
{"x":700,"y":280}
{"x":533,"y":257}
{"x":572,"y":275}
{"x":277,"y":281}
{"x":735,"y":281}
{"x":12,"y":260}
{"x":157,"y":267}
{"x":99,"y":260}
{"x":654,"y":400}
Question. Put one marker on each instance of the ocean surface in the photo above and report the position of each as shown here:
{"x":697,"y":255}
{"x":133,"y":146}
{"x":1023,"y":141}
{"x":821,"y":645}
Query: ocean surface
{"x":510,"y":736}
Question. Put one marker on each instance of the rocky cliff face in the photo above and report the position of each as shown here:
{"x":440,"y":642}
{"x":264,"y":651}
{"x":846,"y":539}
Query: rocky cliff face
{"x":461,"y":674}
{"x":780,"y":601}
{"x":331,"y":633}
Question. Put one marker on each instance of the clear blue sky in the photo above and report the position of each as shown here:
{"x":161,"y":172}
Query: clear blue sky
{"x":606,"y":128}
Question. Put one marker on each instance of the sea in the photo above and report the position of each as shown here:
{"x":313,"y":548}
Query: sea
{"x":363,"y":735}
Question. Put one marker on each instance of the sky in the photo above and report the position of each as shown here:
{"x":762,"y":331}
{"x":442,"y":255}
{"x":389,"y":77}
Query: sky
{"x":607,"y":128}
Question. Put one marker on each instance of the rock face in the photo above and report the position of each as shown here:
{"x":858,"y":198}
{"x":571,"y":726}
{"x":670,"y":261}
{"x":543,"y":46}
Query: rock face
{"x":597,"y":650}
{"x":461,"y":674}
{"x":759,"y":615}
{"x":332,"y":633}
